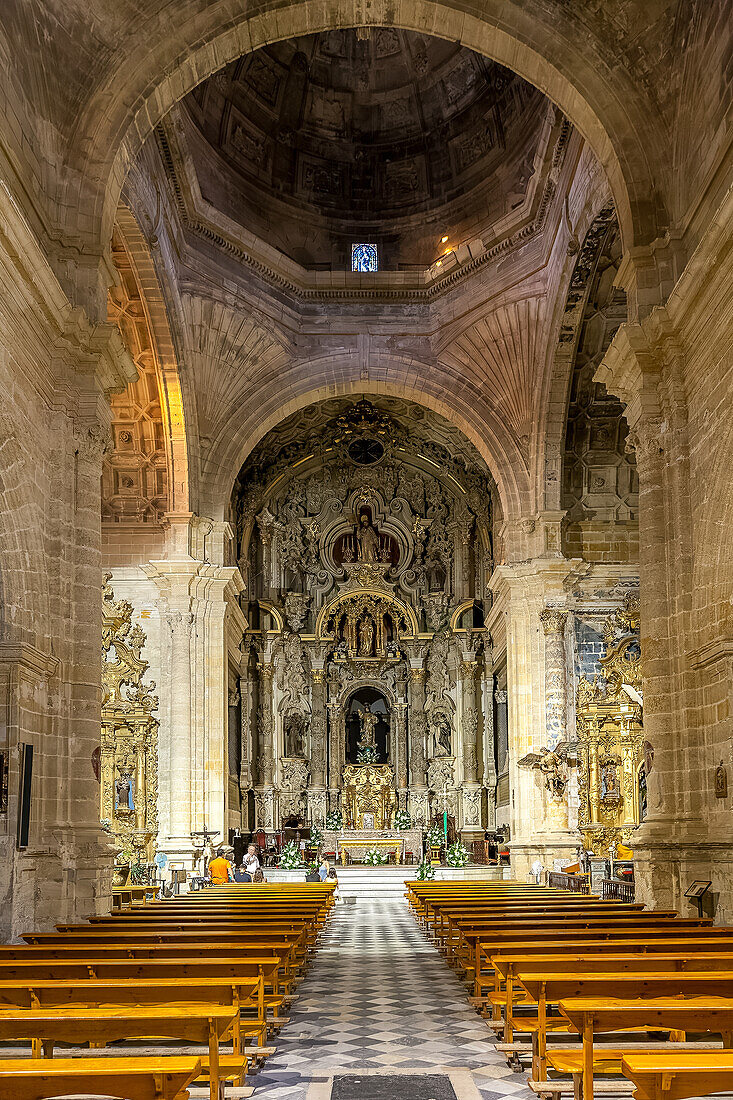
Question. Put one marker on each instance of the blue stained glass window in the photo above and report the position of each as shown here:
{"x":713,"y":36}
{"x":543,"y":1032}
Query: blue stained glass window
{"x":364,"y":257}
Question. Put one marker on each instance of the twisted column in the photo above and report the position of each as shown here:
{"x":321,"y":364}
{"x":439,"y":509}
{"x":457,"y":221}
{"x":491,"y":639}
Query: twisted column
{"x":553,"y":624}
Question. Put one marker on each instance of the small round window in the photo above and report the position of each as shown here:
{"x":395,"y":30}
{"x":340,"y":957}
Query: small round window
{"x":365,"y":451}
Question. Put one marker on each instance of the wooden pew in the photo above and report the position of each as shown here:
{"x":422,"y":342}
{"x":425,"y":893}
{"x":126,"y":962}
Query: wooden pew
{"x":589,"y":1015}
{"x":674,"y":1075}
{"x":196,"y":1023}
{"x":649,"y":941}
{"x":163,"y":1078}
{"x":545,"y":989}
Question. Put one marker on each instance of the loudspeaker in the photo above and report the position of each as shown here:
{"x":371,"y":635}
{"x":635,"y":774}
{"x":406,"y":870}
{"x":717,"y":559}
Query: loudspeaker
{"x":24,"y":795}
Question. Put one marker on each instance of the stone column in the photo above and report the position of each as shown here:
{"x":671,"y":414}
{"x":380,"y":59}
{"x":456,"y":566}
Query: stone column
{"x":418,"y":727}
{"x":489,"y":745}
{"x":248,"y":714}
{"x":318,"y":733}
{"x":335,"y":752}
{"x":400,"y":749}
{"x":470,"y":788}
{"x":553,"y":624}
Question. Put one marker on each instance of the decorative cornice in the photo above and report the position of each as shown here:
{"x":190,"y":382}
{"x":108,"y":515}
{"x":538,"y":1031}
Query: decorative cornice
{"x":718,"y":649}
{"x":431,"y":287}
{"x":28,"y":657}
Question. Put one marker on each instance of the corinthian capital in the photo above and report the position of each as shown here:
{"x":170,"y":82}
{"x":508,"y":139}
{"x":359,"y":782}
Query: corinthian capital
{"x":553,"y":620}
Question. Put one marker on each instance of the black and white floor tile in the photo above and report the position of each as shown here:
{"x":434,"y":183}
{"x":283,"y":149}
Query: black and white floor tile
{"x":379,"y":997}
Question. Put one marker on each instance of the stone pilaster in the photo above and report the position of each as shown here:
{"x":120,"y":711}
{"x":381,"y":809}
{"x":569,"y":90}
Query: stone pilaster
{"x":195,"y":601}
{"x":521,"y":593}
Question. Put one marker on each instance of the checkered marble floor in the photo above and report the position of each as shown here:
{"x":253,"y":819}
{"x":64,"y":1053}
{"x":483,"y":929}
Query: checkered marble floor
{"x":378,"y":996}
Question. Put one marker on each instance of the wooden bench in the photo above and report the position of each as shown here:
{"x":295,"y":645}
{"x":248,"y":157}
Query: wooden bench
{"x":198,"y":1023}
{"x":589,"y":1015}
{"x":674,"y":1075}
{"x":163,"y":1078}
{"x":545,"y":989}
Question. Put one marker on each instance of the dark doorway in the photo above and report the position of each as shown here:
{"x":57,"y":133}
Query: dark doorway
{"x":367,"y":699}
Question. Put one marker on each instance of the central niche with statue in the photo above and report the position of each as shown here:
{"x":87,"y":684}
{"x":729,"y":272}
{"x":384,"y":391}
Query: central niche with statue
{"x":364,"y":531}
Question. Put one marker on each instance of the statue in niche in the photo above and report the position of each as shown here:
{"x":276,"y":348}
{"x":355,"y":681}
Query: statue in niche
{"x":609,"y":781}
{"x":367,"y":743}
{"x":368,"y":540}
{"x":442,"y":734}
{"x":123,"y":792}
{"x":366,"y":637}
{"x":294,"y":730}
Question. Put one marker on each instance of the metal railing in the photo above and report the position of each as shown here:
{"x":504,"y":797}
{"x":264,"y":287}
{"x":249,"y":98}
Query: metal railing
{"x":613,"y":889}
{"x":579,"y":883}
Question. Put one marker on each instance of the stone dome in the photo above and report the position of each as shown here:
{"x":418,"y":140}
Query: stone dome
{"x":369,"y":134}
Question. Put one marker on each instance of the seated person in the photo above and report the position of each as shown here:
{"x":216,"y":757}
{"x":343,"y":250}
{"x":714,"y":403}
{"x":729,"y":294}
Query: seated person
{"x":251,"y":863}
{"x":258,"y":876}
{"x":220,"y":870}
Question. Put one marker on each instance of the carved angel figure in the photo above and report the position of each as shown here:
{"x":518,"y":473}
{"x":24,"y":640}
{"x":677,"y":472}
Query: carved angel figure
{"x":552,"y":765}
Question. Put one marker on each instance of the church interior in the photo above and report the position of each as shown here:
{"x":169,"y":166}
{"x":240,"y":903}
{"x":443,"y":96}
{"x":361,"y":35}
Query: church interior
{"x":365,"y":496}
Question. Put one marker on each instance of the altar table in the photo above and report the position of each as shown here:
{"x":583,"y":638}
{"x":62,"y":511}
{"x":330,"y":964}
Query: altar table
{"x":358,"y":842}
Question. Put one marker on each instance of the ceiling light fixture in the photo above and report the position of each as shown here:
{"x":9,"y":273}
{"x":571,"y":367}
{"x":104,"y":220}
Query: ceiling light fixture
{"x":443,"y":239}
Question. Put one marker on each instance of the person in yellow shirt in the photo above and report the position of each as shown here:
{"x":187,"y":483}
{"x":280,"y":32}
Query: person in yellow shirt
{"x":220,"y":870}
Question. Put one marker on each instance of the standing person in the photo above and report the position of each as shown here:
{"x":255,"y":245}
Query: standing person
{"x":250,"y":862}
{"x":220,"y":870}
{"x":333,"y":877}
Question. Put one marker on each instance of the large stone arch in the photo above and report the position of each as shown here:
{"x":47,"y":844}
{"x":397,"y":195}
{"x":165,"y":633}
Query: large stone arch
{"x":158,"y":65}
{"x":425,"y":384}
{"x":140,"y":311}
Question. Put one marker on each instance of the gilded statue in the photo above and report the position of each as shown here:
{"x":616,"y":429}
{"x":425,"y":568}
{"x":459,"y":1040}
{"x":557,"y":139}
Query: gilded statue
{"x":368,"y":540}
{"x":366,"y":637}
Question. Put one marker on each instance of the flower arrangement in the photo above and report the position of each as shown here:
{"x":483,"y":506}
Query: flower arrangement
{"x":435,"y":837}
{"x":375,"y":858}
{"x":334,"y":820}
{"x":402,"y":820}
{"x":457,"y":855}
{"x":290,"y":856}
{"x":425,"y":871}
{"x":316,"y":836}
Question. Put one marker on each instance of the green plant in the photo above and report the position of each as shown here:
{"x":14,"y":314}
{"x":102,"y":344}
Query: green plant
{"x":290,"y":856}
{"x":435,"y":836}
{"x":375,"y":858}
{"x":425,"y":871}
{"x":402,"y":820}
{"x":457,"y":855}
{"x":316,"y":836}
{"x":334,"y":820}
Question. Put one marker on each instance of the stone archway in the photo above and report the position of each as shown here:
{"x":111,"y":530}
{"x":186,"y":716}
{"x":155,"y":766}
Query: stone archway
{"x":604,"y":103}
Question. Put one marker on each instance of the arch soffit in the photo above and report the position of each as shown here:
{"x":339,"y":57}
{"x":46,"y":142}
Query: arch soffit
{"x":559,"y":376}
{"x":166,"y":362}
{"x":356,"y":686}
{"x":606,"y":107}
{"x":478,"y":422}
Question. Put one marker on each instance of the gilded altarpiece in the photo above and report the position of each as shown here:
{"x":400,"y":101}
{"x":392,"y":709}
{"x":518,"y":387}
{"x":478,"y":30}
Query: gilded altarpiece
{"x":129,"y":742}
{"x":611,"y":739}
{"x":366,"y":529}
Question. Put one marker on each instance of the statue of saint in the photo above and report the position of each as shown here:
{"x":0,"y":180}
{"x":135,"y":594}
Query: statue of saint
{"x":366,"y":637}
{"x":609,"y":781}
{"x":367,"y":744}
{"x":442,"y":734}
{"x":294,"y":735}
{"x":123,"y":790}
{"x":368,"y":540}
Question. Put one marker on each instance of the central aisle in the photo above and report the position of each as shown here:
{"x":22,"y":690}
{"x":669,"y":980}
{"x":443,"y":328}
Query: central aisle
{"x":378,"y":996}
